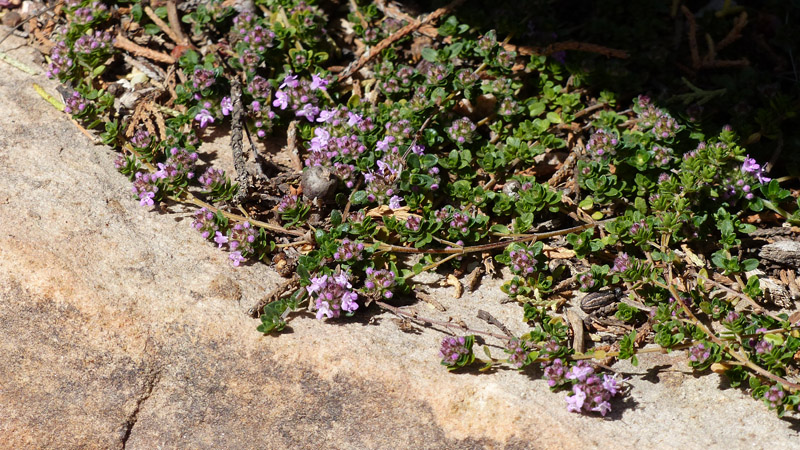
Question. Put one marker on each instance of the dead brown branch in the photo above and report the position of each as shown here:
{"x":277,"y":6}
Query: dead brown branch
{"x":736,"y":32}
{"x":163,"y":25}
{"x":692,"y":35}
{"x":123,"y":43}
{"x":710,"y":61}
{"x":399,"y":34}
{"x":584,"y":47}
{"x":175,"y":22}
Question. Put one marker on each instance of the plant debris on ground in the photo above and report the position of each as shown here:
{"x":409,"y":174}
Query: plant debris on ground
{"x":630,"y":182}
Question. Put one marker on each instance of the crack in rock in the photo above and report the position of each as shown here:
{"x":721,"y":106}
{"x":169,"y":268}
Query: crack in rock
{"x":149,"y":384}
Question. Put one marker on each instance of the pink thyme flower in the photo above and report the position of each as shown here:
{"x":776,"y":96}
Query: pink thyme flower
{"x":204,"y":117}
{"x":318,"y":83}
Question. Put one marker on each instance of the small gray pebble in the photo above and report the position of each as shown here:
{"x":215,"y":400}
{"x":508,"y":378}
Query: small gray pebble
{"x":511,"y":188}
{"x":319,"y":182}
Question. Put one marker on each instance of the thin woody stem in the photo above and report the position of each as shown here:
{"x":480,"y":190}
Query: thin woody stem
{"x":743,"y":359}
{"x":486,"y":247}
{"x":433,"y":265}
{"x":422,"y":320}
{"x":196,"y":201}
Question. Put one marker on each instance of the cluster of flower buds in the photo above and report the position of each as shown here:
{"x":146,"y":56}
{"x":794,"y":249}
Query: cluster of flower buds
{"x":332,"y":294}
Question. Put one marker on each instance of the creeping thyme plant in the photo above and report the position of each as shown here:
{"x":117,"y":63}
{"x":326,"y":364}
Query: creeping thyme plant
{"x":427,"y":143}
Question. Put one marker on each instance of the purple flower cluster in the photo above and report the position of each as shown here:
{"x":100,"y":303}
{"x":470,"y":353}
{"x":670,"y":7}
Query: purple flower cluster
{"x":413,"y":223}
{"x":499,"y":87}
{"x":242,"y":24}
{"x":518,"y":353}
{"x":434,"y":172}
{"x":774,"y":396}
{"x":204,"y":222}
{"x":452,"y":349}
{"x":252,"y":39}
{"x":311,"y":18}
{"x":371,"y":35}
{"x":87,"y":15}
{"x":399,"y":130}
{"x":259,"y":38}
{"x":60,"y":60}
{"x":212,"y":177}
{"x":419,"y":99}
{"x":487,"y":42}
{"x":461,"y":131}
{"x":466,"y":78}
{"x":288,"y":203}
{"x":358,"y":217}
{"x":586,"y":280}
{"x":259,"y":87}
{"x":590,"y":392}
{"x":699,"y":353}
{"x":389,"y":25}
{"x":381,"y":182}
{"x":262,"y":118}
{"x":120,"y":161}
{"x":75,"y":103}
{"x":434,"y":72}
{"x":459,"y":222}
{"x":203,"y":79}
{"x":738,"y":187}
{"x":395,"y":81}
{"x":512,"y":287}
{"x":379,"y":283}
{"x":732,"y":316}
{"x":523,"y":261}
{"x":144,"y":187}
{"x":180,"y":163}
{"x":655,"y":120}
{"x":348,"y":251}
{"x":740,"y":184}
{"x":661,"y":156}
{"x":763,"y":347}
{"x":141,"y":138}
{"x":508,"y":107}
{"x":638,"y":226}
{"x":324,"y":148}
{"x":89,"y":43}
{"x":338,"y":136}
{"x":243,"y":235}
{"x":332,"y":294}
{"x":346,"y":173}
{"x":300,"y":96}
{"x":602,"y":143}
{"x":621,"y":263}
{"x":555,"y":372}
{"x":506,"y":58}
{"x":752,"y":168}
{"x":241,"y":239}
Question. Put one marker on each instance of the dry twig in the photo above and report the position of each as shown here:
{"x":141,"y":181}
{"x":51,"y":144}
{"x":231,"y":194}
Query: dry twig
{"x":373,"y":52}
{"x":175,"y":22}
{"x":123,"y":43}
{"x":236,"y":141}
{"x":291,"y":146}
{"x":163,"y":25}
